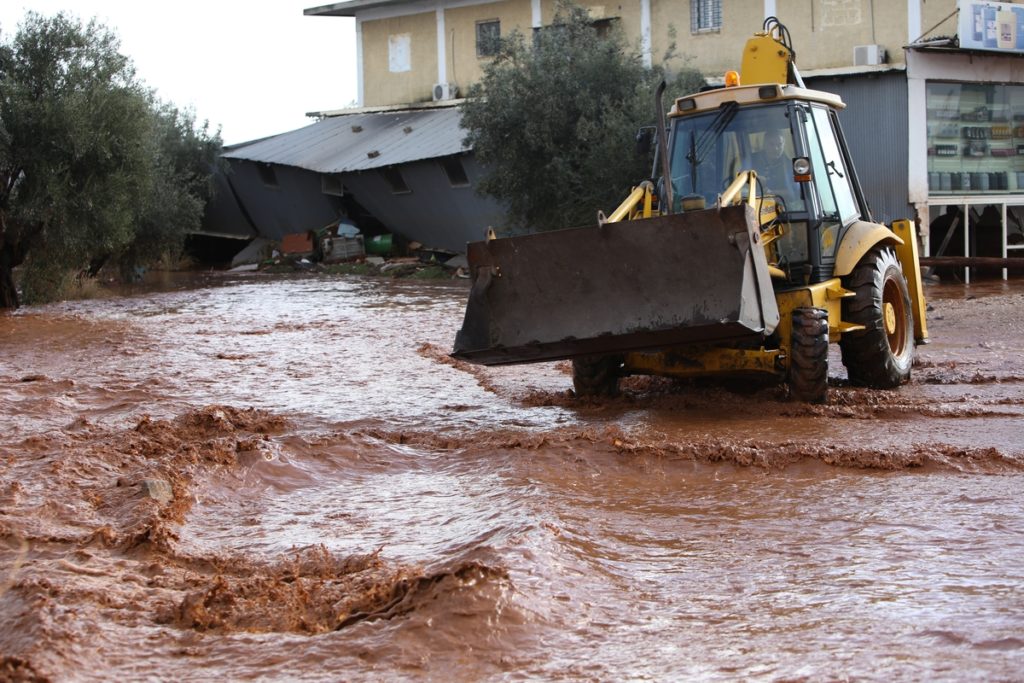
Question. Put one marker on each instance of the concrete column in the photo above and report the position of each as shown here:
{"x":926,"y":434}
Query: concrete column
{"x":360,"y":99}
{"x":917,"y":152}
{"x":913,"y":20}
{"x":645,"y":32}
{"x":442,"y":50}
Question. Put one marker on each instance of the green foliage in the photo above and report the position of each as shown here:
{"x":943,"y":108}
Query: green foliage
{"x":91,"y":165}
{"x":41,"y":284}
{"x":183,"y":157}
{"x":74,"y":157}
{"x":554,"y":121}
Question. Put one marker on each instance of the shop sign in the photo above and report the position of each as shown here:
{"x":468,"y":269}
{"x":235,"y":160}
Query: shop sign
{"x":997,"y":26}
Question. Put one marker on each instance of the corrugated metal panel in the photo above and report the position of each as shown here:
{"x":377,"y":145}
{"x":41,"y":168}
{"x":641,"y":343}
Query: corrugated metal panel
{"x":875,"y":125}
{"x":434,"y":212}
{"x":295,"y":203}
{"x":359,"y":142}
{"x":224,"y":215}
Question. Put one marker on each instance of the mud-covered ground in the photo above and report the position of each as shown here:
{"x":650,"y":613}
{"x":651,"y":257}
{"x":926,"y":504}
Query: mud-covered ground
{"x":288,"y":479}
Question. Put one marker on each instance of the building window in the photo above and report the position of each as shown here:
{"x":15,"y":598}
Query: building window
{"x":267,"y":174}
{"x":705,"y":15}
{"x":604,"y":26}
{"x":488,"y":37}
{"x":395,"y":180}
{"x":399,"y":52}
{"x":975,"y":138}
{"x":330,"y":183}
{"x":455,"y":171}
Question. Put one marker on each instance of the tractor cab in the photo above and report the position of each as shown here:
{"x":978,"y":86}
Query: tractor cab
{"x":790,"y":138}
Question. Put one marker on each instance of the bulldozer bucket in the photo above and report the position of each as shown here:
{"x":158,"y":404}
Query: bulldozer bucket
{"x":692,"y":277}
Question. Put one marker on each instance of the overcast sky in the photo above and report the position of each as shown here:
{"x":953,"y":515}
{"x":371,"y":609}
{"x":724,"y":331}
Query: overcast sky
{"x":253,"y":67}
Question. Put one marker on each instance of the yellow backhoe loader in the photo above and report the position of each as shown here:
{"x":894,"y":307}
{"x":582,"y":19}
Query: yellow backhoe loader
{"x":751,"y":253}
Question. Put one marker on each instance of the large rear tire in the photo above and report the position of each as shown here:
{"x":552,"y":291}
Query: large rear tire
{"x":881,"y":355}
{"x":808,"y":364}
{"x":596,"y":375}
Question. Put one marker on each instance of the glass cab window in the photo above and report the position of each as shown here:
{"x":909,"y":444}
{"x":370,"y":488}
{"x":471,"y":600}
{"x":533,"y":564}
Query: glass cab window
{"x":710,"y":149}
{"x":830,"y":173}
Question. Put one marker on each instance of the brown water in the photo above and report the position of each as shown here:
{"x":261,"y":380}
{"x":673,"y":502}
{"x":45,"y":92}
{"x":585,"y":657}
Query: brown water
{"x":332,"y":498}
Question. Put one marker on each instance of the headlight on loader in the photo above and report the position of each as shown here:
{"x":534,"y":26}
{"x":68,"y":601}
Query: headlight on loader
{"x":801,"y":169}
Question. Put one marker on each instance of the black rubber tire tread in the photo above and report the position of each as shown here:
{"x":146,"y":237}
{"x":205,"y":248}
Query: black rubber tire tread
{"x":869,"y":356}
{"x":808,"y":359}
{"x":596,"y":375}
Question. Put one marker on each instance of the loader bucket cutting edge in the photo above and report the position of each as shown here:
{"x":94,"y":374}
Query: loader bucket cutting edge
{"x":699,"y":276}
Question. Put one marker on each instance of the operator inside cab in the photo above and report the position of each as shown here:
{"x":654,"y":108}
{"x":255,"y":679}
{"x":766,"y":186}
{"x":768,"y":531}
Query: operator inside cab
{"x":774,"y":166}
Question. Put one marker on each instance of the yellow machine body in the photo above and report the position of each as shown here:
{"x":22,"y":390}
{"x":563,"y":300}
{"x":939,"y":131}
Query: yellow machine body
{"x":765,"y":60}
{"x":704,"y":360}
{"x":669,"y":258}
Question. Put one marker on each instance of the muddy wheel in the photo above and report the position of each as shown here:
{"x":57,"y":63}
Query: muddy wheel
{"x":808,"y":365}
{"x":596,"y":375}
{"x":880,"y":356}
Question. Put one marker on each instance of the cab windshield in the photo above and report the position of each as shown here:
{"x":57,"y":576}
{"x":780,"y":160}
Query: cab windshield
{"x":709,"y":149}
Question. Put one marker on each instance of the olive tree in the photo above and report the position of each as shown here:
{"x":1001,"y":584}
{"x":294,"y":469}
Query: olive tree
{"x":85,"y":160}
{"x":554,"y":118}
{"x":183,"y":156}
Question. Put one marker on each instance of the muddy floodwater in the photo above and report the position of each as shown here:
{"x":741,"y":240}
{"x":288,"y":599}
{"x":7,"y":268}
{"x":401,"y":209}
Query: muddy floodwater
{"x":250,"y":478}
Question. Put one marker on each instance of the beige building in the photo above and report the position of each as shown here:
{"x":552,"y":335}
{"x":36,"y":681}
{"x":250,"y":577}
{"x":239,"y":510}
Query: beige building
{"x":934,"y":89}
{"x":421,"y":50}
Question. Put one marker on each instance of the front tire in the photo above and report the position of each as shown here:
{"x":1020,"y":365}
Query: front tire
{"x":596,"y":375}
{"x":881,"y":355}
{"x":808,"y":361}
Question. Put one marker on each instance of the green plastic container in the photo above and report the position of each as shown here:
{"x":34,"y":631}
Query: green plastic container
{"x":379,"y":245}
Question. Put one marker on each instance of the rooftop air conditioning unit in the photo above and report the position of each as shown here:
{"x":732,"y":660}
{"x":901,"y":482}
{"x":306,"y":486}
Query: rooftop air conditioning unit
{"x":445,"y":91}
{"x":866,"y":55}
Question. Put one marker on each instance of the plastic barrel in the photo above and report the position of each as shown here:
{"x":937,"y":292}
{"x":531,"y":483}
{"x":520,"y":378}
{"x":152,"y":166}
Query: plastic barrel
{"x":379,"y":245}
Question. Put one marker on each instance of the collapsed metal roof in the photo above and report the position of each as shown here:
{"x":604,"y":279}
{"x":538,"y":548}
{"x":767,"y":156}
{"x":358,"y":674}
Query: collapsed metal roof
{"x":361,"y":141}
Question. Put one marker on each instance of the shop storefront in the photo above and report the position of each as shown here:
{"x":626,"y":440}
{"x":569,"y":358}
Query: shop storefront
{"x":966,"y":135}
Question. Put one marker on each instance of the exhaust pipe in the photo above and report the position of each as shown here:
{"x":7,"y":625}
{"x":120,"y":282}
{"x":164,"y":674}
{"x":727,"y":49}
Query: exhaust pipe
{"x":666,"y":170}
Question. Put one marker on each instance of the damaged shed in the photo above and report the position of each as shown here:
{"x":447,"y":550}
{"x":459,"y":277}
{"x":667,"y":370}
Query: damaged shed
{"x":405,"y":168}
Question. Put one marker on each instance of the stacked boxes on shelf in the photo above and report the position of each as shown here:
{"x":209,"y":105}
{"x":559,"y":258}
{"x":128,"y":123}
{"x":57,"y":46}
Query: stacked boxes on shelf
{"x":975,"y":138}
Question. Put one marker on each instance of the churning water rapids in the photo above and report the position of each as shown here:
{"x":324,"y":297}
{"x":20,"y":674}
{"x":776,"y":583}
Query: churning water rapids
{"x":238,"y":478}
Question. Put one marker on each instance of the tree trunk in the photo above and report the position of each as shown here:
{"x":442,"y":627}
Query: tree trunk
{"x":8,"y":290}
{"x":13,"y":249}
